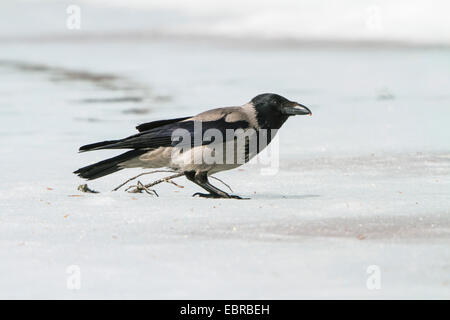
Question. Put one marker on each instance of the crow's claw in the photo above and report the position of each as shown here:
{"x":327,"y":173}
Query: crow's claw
{"x":217,"y":196}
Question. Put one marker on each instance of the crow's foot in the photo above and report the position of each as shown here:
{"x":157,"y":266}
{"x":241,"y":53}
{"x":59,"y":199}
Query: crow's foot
{"x":217,"y":196}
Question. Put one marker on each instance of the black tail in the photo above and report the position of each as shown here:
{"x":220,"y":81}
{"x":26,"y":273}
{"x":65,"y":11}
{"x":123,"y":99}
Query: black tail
{"x":97,"y":145}
{"x":107,"y":166}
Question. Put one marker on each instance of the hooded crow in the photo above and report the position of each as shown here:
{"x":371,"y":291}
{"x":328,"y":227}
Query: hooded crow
{"x":182,"y":143}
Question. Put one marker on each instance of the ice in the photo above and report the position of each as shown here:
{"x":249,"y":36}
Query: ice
{"x":364,"y":181}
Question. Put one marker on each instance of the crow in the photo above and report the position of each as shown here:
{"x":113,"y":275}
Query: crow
{"x":182,"y":143}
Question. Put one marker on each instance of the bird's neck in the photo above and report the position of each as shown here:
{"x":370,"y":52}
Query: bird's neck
{"x":266,"y":121}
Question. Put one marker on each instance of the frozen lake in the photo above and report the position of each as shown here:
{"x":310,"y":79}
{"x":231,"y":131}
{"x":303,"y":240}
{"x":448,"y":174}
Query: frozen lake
{"x":363,"y":182}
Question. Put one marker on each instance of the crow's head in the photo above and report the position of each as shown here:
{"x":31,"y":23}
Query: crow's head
{"x":272,"y":110}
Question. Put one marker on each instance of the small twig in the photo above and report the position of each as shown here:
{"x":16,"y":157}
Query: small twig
{"x":222,"y":182}
{"x":175,"y":184}
{"x":141,"y":174}
{"x":140,"y":186}
{"x":137,"y":189}
{"x":85,"y":188}
{"x":129,"y":187}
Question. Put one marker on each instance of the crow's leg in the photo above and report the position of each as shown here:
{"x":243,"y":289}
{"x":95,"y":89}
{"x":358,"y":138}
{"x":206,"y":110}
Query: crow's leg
{"x":201,"y":179}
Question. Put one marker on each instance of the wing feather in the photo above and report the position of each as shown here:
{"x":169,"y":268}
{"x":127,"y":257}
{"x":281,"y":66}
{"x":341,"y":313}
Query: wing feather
{"x":157,"y":134}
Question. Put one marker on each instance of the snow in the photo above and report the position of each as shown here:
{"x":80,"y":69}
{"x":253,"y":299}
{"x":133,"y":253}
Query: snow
{"x":363,"y":182}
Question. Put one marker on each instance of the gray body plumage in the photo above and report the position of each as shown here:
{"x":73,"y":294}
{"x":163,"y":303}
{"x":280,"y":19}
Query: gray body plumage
{"x":170,"y":158}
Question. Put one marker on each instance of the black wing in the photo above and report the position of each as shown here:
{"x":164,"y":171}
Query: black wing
{"x":159,"y":123}
{"x":141,"y":128}
{"x":163,"y":136}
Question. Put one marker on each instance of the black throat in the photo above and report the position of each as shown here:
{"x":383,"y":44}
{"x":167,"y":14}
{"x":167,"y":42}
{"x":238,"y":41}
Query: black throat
{"x":268,"y":118}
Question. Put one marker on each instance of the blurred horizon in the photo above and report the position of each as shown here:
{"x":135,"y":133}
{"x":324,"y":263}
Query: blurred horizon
{"x":403,"y":23}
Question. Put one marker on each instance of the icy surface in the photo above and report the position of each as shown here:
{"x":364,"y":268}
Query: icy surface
{"x":365,"y":181}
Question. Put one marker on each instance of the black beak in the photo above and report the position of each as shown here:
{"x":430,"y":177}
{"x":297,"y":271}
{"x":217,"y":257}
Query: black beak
{"x":296,"y":109}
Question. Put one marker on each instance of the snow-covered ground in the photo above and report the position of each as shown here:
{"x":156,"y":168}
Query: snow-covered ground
{"x":363,"y":182}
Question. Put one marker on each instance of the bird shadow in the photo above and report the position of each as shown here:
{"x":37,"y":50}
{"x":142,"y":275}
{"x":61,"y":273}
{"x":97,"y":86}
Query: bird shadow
{"x":272,"y":196}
